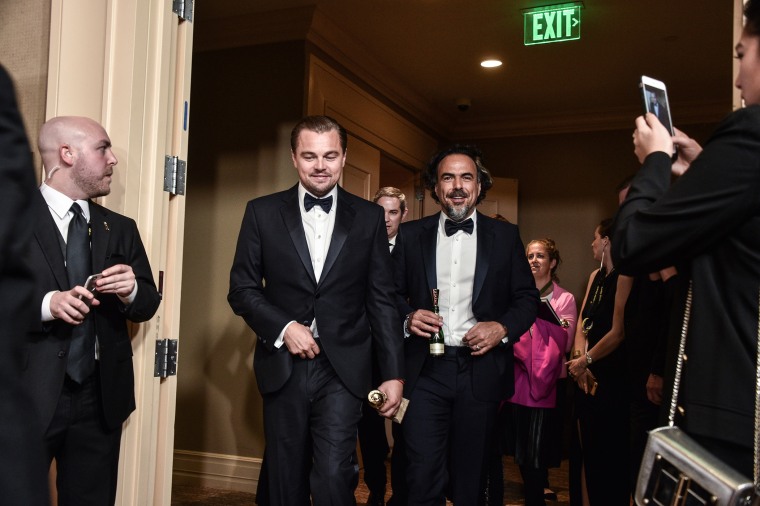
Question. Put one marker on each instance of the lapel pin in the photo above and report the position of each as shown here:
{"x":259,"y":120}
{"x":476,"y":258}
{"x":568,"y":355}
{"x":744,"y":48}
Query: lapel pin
{"x":105,"y":224}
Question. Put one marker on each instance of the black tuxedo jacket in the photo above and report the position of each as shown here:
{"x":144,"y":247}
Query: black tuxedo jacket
{"x":272,"y":282}
{"x":23,"y":470}
{"x":115,"y":240}
{"x":708,"y":224}
{"x":503,"y":291}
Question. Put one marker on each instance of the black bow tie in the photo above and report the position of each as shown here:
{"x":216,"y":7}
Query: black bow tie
{"x":451,"y":227}
{"x":309,"y":202}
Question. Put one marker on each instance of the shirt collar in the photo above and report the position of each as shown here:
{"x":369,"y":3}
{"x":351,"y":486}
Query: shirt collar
{"x":60,"y":204}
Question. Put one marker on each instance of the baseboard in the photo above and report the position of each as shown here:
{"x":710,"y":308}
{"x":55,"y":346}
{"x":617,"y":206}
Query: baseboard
{"x":213,"y":470}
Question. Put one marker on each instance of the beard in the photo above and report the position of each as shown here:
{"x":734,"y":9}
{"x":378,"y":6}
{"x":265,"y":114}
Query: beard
{"x":457,"y":213}
{"x":92,"y":186}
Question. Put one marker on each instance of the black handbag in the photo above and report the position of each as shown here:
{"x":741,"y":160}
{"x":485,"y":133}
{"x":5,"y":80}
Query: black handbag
{"x":678,"y":471}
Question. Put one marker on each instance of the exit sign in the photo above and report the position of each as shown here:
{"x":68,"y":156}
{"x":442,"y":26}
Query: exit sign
{"x":554,"y":23}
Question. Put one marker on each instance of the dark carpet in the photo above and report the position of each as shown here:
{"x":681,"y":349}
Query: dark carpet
{"x":197,"y":496}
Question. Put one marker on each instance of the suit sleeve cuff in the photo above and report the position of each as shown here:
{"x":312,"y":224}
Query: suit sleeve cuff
{"x":281,"y":338}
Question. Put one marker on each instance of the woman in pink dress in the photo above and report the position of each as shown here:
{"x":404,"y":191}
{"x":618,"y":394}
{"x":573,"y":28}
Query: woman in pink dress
{"x":533,"y":426}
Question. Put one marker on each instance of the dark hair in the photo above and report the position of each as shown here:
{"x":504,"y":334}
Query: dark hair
{"x":431,"y":172}
{"x":551,"y":248}
{"x":320,"y":125}
{"x":752,"y":13}
{"x":605,"y":228}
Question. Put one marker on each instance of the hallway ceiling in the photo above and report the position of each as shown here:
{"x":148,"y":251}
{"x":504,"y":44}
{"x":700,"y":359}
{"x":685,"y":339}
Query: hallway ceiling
{"x":425,"y":54}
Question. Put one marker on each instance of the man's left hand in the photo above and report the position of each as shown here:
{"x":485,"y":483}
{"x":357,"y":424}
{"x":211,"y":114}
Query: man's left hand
{"x":484,"y":336}
{"x":118,"y":279}
{"x":393,"y":389}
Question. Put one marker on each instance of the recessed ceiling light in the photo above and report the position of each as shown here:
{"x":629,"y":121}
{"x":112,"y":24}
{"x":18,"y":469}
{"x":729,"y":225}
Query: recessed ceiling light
{"x":490,"y":63}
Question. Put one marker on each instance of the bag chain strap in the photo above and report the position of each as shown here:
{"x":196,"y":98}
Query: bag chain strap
{"x":677,"y":384}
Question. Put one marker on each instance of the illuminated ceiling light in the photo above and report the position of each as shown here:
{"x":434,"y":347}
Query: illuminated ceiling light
{"x":489,"y":64}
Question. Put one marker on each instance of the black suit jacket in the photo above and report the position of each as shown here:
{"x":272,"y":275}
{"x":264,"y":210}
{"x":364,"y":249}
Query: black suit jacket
{"x":23,"y":471}
{"x":503,"y":291}
{"x":115,"y":240}
{"x":707,"y":223}
{"x":272,"y":282}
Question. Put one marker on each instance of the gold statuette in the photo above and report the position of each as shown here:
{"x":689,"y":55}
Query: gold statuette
{"x":376,"y":399}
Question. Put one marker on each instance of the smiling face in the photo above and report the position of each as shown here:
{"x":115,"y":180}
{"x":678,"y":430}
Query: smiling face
{"x":393,"y":214}
{"x":540,"y":263}
{"x":319,"y":159}
{"x":457,"y":187}
{"x":748,"y":77}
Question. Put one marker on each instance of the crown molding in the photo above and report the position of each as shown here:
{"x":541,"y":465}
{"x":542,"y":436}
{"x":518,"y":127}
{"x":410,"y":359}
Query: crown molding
{"x":375,"y":75}
{"x":587,"y":121}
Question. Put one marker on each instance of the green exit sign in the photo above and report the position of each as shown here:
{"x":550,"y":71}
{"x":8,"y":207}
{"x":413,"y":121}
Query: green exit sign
{"x":554,"y":23}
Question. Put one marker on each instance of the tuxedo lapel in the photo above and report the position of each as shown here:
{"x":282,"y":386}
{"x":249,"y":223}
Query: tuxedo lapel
{"x":428,"y":243}
{"x":101,"y":234}
{"x":344,"y":219}
{"x":291,"y":214}
{"x":485,"y":242}
{"x":48,"y":237}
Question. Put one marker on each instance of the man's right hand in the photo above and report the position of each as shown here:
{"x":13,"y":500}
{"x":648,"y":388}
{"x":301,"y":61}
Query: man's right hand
{"x":300,"y":341}
{"x":424,"y":323}
{"x":73,"y":305}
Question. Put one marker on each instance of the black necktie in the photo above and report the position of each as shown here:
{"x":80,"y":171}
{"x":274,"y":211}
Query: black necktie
{"x":310,"y":201}
{"x":451,"y":227}
{"x":81,"y":362}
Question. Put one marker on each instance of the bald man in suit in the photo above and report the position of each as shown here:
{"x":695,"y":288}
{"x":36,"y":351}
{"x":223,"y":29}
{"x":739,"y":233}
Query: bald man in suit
{"x":79,"y":351}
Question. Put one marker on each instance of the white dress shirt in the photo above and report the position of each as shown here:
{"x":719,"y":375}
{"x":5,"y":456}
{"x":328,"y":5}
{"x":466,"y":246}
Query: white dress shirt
{"x":455,"y":273}
{"x":60,"y":209}
{"x":318,"y":227}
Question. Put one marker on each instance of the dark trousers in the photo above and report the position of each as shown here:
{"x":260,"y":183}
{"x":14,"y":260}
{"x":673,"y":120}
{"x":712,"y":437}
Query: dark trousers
{"x":312,"y":419}
{"x":85,"y":451}
{"x":533,"y":481}
{"x":446,"y":431}
{"x":400,"y":495}
{"x":374,"y":447}
{"x":644,"y":417}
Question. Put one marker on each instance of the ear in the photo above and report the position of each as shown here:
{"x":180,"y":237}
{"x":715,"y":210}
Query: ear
{"x":553,"y":264}
{"x":67,"y":154}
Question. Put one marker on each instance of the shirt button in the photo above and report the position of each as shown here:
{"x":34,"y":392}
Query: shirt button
{"x":61,"y":354}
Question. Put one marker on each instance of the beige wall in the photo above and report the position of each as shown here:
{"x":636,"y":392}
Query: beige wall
{"x":245,"y":102}
{"x":567,"y":186}
{"x":24,"y":41}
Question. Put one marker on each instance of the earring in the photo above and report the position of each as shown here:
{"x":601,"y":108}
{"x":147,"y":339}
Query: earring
{"x":601,"y":264}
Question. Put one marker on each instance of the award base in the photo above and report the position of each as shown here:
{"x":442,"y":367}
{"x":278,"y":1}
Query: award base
{"x":376,"y":399}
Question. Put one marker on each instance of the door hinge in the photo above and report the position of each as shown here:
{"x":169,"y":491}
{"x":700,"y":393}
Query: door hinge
{"x":175,"y":175}
{"x":183,"y":9}
{"x":166,"y":358}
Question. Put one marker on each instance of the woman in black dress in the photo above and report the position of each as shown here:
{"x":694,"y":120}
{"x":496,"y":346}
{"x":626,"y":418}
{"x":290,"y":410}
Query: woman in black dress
{"x":599,"y":462}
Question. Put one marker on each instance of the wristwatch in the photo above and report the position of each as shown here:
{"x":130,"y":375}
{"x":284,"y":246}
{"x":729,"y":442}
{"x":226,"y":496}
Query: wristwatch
{"x":407,"y":321}
{"x":588,"y":359}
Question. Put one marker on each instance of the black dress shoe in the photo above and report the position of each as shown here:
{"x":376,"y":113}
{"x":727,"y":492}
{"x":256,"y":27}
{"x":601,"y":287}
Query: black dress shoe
{"x":375,"y":500}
